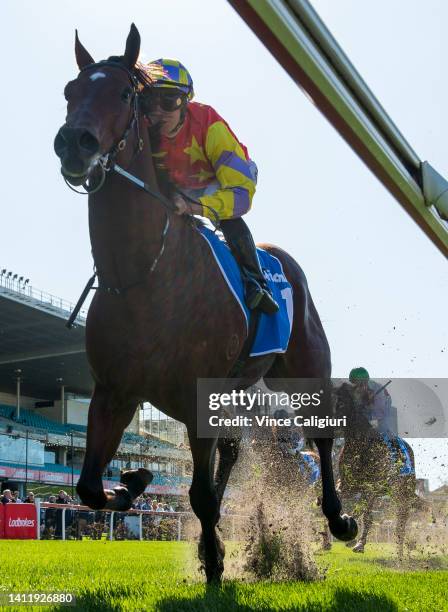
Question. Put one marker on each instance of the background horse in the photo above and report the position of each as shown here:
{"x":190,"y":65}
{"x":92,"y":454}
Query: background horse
{"x":163,"y":315}
{"x":371,"y":466}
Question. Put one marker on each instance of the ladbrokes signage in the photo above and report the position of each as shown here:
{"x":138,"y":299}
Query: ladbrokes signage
{"x":21,"y":522}
{"x":18,"y":521}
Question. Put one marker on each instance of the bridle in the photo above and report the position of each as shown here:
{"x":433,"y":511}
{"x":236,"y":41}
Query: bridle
{"x":107,"y":163}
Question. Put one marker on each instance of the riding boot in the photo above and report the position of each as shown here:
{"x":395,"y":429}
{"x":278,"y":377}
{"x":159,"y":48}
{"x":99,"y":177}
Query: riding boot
{"x":241,"y":243}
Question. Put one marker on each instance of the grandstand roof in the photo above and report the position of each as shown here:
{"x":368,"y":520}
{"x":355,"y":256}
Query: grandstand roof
{"x":34,"y":339}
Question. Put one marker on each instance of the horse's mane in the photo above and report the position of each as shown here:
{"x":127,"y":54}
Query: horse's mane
{"x":166,"y":185}
{"x":139,"y":73}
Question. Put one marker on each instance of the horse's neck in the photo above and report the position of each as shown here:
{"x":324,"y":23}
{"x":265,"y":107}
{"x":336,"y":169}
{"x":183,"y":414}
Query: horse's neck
{"x":360,"y":430}
{"x":363,"y":439}
{"x":126,"y":224}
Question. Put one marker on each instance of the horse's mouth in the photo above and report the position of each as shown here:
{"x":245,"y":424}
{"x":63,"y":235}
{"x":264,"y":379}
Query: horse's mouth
{"x":74,"y":179}
{"x":91,"y":179}
{"x":80,"y":178}
{"x":78,"y":151}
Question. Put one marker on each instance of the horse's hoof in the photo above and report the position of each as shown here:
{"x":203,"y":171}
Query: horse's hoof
{"x":136,"y":481}
{"x":214,"y":579}
{"x":213,"y":570}
{"x":359,"y":548}
{"x":93,"y":499}
{"x":214,"y":573}
{"x":343,"y":528}
{"x":118,"y":499}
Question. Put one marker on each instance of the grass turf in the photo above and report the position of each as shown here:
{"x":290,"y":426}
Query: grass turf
{"x":161,"y":576}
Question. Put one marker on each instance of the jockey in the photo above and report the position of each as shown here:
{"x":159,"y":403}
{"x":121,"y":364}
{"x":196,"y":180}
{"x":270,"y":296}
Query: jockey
{"x":211,"y":170}
{"x":371,"y":396}
{"x":376,"y":399}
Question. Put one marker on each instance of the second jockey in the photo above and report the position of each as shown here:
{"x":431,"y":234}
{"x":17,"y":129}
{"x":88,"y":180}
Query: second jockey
{"x":210,"y":169}
{"x":372,"y":397}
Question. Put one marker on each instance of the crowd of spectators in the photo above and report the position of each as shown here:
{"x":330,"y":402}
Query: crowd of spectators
{"x":13,"y":497}
{"x":95,"y":524}
{"x":146,"y":502}
{"x":81,"y":523}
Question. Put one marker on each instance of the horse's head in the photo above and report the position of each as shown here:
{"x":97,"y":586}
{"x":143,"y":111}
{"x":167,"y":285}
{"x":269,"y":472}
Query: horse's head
{"x":357,"y":419}
{"x":101,"y":108}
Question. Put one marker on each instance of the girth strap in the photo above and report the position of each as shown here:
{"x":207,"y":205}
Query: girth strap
{"x":239,"y":364}
{"x":80,"y":302}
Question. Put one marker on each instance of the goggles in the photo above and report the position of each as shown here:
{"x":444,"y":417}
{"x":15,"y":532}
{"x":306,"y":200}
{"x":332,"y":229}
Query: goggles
{"x":168,"y":101}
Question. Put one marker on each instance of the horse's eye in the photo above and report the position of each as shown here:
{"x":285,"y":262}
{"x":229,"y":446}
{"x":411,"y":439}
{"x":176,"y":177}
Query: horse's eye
{"x":126,"y":95}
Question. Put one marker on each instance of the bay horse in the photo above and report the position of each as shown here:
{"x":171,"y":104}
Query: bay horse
{"x":163,"y":316}
{"x":371,"y":468}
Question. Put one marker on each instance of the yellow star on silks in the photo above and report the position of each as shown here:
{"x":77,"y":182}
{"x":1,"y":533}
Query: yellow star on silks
{"x":203,"y":175}
{"x":195,"y":152}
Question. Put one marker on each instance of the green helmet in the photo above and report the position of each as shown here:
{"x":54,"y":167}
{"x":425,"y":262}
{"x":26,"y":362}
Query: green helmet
{"x":359,"y":374}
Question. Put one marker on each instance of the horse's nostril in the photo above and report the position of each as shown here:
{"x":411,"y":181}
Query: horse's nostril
{"x":89,"y":143}
{"x":60,"y":145}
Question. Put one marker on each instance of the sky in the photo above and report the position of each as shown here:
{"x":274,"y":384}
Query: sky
{"x":379,"y":284}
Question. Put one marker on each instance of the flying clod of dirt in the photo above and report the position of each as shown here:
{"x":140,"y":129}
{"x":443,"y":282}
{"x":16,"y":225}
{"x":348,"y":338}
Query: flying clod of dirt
{"x":272,"y":491}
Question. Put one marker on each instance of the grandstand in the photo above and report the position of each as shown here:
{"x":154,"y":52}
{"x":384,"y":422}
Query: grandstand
{"x":45,"y":385}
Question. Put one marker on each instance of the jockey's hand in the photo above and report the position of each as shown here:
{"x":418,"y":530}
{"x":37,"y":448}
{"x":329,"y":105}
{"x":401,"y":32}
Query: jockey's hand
{"x":186,"y":208}
{"x":182,"y":206}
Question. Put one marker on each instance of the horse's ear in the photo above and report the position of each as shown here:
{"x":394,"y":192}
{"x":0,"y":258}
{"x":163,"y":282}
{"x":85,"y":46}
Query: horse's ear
{"x":132,"y":48}
{"x":83,"y":57}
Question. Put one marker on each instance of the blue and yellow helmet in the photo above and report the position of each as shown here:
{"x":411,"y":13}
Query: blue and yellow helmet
{"x":169,"y":73}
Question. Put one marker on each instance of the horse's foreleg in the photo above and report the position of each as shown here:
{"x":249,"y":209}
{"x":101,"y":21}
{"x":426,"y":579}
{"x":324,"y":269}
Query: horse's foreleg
{"x":342,"y":527}
{"x":228,"y":454}
{"x":108,"y":417}
{"x":205,"y":503}
{"x":367,"y":520}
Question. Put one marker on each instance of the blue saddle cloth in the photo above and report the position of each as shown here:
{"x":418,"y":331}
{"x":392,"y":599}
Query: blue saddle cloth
{"x":406,"y":466}
{"x":273,"y":330}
